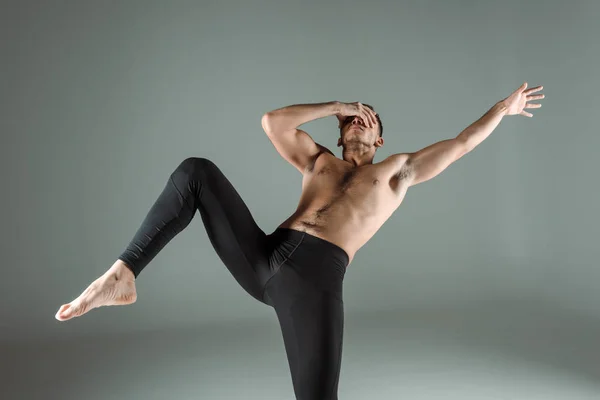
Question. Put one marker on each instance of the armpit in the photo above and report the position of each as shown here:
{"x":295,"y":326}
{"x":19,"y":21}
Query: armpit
{"x":405,"y":171}
{"x":325,"y":149}
{"x":310,"y":167}
{"x":402,"y":166}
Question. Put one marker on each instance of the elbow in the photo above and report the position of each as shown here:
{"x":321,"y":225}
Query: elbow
{"x":267,"y":122}
{"x":463,"y":147}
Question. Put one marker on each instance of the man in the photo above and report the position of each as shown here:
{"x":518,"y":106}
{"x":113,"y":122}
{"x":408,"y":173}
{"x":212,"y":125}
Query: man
{"x":298,"y":269}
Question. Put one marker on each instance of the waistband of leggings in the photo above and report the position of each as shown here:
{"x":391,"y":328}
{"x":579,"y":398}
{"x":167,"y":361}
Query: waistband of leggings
{"x":306,"y":237}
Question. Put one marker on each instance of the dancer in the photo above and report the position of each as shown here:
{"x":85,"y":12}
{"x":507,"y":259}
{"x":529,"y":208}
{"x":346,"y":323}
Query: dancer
{"x":297,"y":269}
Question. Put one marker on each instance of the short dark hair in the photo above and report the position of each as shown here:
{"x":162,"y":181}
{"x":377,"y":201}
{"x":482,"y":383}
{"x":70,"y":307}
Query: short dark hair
{"x":378,"y":120}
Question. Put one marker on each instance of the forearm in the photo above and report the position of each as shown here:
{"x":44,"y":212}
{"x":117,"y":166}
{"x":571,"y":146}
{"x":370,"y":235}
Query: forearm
{"x":479,"y":130}
{"x":293,"y":116}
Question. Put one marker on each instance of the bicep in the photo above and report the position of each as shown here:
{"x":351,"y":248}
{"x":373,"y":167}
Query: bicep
{"x":430,"y":161}
{"x":296,"y":147}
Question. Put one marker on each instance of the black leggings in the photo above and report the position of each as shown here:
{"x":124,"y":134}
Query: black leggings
{"x":297,"y":274}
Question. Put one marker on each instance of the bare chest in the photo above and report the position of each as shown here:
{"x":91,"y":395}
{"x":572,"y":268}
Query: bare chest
{"x":369,"y":188}
{"x":332,"y":177}
{"x":346,"y":204}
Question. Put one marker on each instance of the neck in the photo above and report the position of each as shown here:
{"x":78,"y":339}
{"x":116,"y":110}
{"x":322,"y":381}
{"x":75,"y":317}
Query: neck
{"x":358,"y":155}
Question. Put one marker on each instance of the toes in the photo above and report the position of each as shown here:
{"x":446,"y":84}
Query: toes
{"x":65,"y":312}
{"x":71,"y":310}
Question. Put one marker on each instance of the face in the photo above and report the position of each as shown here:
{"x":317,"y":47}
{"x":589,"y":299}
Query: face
{"x":353,"y":130}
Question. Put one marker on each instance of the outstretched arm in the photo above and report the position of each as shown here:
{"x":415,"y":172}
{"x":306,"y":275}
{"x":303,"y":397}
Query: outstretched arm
{"x":432,"y":160}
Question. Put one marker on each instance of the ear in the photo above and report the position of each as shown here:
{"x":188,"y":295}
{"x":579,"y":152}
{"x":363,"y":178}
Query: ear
{"x":339,"y":142}
{"x":379,"y":141}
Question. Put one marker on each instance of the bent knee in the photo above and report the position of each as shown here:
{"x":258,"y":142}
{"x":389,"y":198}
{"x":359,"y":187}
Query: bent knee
{"x":195,"y":163}
{"x":193,"y":167}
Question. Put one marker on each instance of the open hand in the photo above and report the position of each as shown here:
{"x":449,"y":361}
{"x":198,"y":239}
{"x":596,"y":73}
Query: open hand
{"x":517,"y":101}
{"x":367,"y":115}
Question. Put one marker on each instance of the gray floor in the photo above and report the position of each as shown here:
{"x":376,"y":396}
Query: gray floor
{"x":516,"y":350}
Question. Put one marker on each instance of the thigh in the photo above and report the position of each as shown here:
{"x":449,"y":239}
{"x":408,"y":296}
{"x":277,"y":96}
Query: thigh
{"x":234,"y":234}
{"x":312,"y":323}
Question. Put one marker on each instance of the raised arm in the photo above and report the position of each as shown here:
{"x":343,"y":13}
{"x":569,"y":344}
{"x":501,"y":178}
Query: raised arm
{"x":432,"y":160}
{"x":293,"y":144}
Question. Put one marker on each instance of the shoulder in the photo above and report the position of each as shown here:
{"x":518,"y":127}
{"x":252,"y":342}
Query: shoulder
{"x":400,"y":164}
{"x":399,"y":160}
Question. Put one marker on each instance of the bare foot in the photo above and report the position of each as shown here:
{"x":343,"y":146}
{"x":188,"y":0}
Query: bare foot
{"x":115,"y":287}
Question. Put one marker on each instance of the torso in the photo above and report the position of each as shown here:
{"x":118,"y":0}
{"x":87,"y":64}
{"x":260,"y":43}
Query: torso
{"x":346,"y":205}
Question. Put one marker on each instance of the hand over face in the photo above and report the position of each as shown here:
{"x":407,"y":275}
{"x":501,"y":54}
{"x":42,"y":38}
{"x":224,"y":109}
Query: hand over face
{"x":347,"y":110}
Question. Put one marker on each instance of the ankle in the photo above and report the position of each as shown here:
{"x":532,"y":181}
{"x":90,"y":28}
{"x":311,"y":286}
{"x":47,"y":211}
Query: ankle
{"x":121,"y":270}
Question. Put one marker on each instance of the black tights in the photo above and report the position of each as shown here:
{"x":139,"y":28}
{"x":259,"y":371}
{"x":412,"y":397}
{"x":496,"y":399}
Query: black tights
{"x":297,"y":274}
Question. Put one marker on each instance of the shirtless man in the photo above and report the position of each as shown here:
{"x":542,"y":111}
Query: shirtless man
{"x":298,"y":269}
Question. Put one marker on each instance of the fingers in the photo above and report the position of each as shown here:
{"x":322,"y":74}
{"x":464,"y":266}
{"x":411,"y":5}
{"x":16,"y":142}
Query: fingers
{"x":363,"y":114}
{"x":533,"y":105}
{"x":529,"y":97}
{"x":374,"y":117}
{"x":526,"y":114}
{"x":533,"y":90}
{"x":536,"y":97}
{"x":532,"y":97}
{"x":522,"y":87}
{"x":368,"y":116}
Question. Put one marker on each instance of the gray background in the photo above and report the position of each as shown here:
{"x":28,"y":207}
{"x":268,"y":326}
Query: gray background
{"x":483,"y":285}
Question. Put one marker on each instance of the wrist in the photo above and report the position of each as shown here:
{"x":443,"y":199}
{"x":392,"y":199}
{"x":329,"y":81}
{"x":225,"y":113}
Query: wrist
{"x":335,"y":107}
{"x":501,"y":108}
